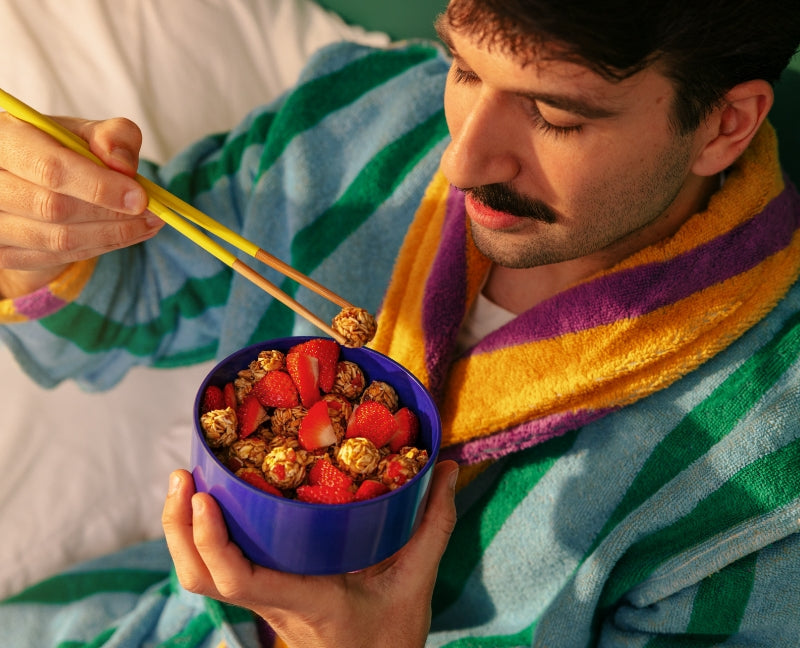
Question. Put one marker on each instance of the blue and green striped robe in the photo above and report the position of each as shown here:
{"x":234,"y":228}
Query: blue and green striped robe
{"x":672,"y":522}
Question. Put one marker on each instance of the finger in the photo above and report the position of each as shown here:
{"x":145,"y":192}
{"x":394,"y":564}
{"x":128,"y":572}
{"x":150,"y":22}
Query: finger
{"x":429,"y":542}
{"x":231,"y":572}
{"x":177,"y":520}
{"x":116,"y":141}
{"x":14,"y":258}
{"x":24,"y":198}
{"x":73,"y":241}
{"x":40,"y":159}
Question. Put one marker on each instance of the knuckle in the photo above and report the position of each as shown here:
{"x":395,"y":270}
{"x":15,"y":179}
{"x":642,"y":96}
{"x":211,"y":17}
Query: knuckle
{"x":50,"y":171}
{"x":191,"y":582}
{"x":61,"y":239}
{"x":50,"y":207}
{"x":229,"y":589}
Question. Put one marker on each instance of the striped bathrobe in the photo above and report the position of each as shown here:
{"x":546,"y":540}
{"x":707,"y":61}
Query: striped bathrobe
{"x":631,"y":448}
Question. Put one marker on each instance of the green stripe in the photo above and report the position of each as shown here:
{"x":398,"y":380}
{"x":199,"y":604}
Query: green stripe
{"x":70,"y":587}
{"x":767,"y":484}
{"x":372,"y":186}
{"x":707,"y":423}
{"x":721,"y":600}
{"x":477,"y":527}
{"x":93,"y":333}
{"x":99,"y":640}
{"x":522,"y":638}
{"x":719,"y":607}
{"x":189,"y":184}
{"x":316,"y":99}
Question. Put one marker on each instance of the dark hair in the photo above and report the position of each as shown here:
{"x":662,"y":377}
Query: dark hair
{"x":705,"y":47}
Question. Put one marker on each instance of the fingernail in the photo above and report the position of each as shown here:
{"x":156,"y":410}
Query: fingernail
{"x":123,"y":155}
{"x":174,"y":484}
{"x":452,"y":479}
{"x":197,"y":505}
{"x":133,"y":200}
{"x":151,"y":220}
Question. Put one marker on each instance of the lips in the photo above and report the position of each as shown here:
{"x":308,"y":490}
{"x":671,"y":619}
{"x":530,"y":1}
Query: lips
{"x":491,"y":218}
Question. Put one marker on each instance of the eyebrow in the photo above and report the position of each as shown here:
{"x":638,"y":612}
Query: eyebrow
{"x":577,"y":105}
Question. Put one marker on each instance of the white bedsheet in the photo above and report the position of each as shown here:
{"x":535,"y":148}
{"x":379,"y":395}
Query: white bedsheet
{"x":84,"y":474}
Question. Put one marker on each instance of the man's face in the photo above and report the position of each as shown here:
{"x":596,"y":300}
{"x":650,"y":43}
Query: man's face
{"x":558,"y":162}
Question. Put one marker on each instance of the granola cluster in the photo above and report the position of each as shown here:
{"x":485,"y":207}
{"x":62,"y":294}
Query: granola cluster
{"x":341,"y":439}
{"x":356,"y":325}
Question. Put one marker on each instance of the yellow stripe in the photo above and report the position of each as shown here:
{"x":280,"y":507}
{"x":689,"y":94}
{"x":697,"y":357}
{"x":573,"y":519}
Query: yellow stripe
{"x":69,"y":284}
{"x":401,"y":313}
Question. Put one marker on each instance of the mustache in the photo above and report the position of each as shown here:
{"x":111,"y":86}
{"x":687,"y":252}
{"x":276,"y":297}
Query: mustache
{"x":502,"y":198}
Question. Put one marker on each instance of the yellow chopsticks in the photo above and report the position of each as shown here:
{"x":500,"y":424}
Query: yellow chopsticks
{"x":172,"y":210}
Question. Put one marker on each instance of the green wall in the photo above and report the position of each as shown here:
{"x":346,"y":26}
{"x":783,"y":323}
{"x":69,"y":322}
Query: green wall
{"x":403,"y":19}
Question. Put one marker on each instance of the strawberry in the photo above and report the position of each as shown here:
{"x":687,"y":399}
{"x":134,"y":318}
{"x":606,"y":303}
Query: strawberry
{"x":327,"y":354}
{"x":316,"y":430}
{"x":372,"y":420}
{"x":407,"y":429}
{"x":229,"y":393}
{"x":304,"y":370}
{"x":370,"y":488}
{"x":254,"y":479}
{"x":249,"y":415}
{"x":276,"y":389}
{"x":324,"y":472}
{"x":324,"y":494}
{"x":213,"y":399}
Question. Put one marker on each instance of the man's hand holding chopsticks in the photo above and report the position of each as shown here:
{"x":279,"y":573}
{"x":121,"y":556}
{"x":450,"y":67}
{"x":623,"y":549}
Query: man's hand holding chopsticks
{"x":58,"y":207}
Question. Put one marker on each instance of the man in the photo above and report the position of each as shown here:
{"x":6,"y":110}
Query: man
{"x":599,"y":287}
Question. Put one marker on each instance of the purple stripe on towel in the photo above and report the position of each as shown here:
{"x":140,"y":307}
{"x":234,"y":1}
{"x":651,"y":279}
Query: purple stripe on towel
{"x":643,"y":289}
{"x":445,"y":296}
{"x":38,"y":304}
{"x":521,"y":437}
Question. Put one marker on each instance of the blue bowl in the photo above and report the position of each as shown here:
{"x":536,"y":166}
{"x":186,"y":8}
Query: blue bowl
{"x":298,"y":537}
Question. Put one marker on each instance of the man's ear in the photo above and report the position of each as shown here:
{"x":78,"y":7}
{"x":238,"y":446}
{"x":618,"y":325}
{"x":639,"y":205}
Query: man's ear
{"x":732,"y":126}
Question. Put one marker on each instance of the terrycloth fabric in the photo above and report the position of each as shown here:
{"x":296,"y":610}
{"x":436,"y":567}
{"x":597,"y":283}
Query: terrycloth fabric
{"x":603,"y":344}
{"x":669,"y":521}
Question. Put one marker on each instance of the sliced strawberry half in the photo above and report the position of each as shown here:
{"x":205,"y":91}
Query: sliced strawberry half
{"x":249,"y":415}
{"x":254,"y":479}
{"x":276,"y":389}
{"x":213,"y":399}
{"x":316,"y":429}
{"x":324,"y":472}
{"x":324,"y":494}
{"x":229,"y":393}
{"x":373,"y":421}
{"x":304,"y":370}
{"x":327,"y":354}
{"x":370,"y":488}
{"x":407,"y":429}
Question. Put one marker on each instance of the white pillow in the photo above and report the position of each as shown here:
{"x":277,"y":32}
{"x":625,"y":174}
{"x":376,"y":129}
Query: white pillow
{"x":85,"y":474}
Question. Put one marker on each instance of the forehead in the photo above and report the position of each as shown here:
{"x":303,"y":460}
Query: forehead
{"x":545,"y":67}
